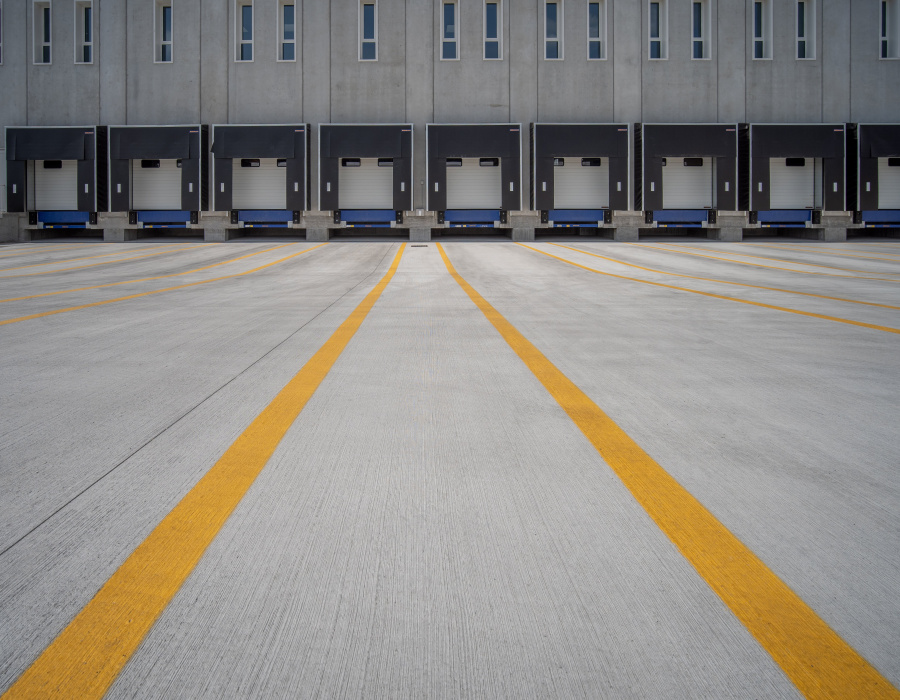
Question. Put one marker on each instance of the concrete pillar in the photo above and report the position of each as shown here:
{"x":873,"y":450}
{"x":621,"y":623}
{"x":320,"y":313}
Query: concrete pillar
{"x":523,"y":224}
{"x":419,"y":235}
{"x":9,"y":227}
{"x":218,"y":229}
{"x":318,"y":235}
{"x":627,"y":225}
{"x":116,"y":228}
{"x":317,"y":225}
{"x":835,"y":225}
{"x":420,"y":223}
{"x":730,"y":226}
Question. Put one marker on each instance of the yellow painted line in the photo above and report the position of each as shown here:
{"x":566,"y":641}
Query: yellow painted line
{"x":87,"y":257}
{"x":817,"y":251}
{"x":84,"y":660}
{"x":146,"y":279}
{"x":768,"y":267}
{"x":814,"y":657}
{"x":38,"y":249}
{"x":178,"y":249}
{"x":860,"y":324}
{"x":156,"y":291}
{"x":717,"y":281}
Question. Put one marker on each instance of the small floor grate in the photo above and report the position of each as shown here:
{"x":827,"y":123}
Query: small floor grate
{"x":418,"y":245}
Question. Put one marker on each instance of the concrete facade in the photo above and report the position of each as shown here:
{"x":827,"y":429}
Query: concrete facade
{"x":845,"y":81}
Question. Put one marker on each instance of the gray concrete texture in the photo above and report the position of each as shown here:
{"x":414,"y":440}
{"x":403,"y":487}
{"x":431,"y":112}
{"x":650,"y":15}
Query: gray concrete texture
{"x":433,"y":524}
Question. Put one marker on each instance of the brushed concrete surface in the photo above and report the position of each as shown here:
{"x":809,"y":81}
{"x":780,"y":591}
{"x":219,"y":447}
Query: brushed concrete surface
{"x":433,"y":524}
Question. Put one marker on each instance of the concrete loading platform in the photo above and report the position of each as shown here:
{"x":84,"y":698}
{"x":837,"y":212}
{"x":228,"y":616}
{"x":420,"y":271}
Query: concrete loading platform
{"x":662,"y":469}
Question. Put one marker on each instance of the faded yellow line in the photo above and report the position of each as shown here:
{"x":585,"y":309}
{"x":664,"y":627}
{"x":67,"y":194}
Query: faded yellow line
{"x":750,"y":264}
{"x":717,"y":281}
{"x":836,"y":319}
{"x":146,"y":279}
{"x":814,"y":657}
{"x":178,"y":249}
{"x":156,"y":291}
{"x":816,"y":251}
{"x":86,"y":257}
{"x":84,"y":660}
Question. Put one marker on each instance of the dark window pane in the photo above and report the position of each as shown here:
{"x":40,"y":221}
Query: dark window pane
{"x":449,"y":21}
{"x":795,"y":162}
{"x":883,"y":18}
{"x":594,"y":50}
{"x":698,"y":20}
{"x":52,"y":165}
{"x":552,"y":49}
{"x":698,"y":49}
{"x":247,"y":22}
{"x":594,"y":20}
{"x":801,"y":19}
{"x":289,"y":22}
{"x":287,"y":52}
{"x":46,"y":25}
{"x":490,"y":21}
{"x":166,"y":53}
{"x":87,"y":25}
{"x":654,"y":20}
{"x":86,"y":54}
{"x":654,"y":49}
{"x":757,"y":20}
{"x":167,"y":24}
{"x":45,"y":54}
{"x":551,"y":20}
{"x":449,"y":50}
{"x":246,"y":52}
{"x":492,"y":49}
{"x":758,"y":49}
{"x":693,"y":162}
{"x":884,"y":49}
{"x":369,"y":22}
{"x":368,"y":51}
{"x":801,"y":49}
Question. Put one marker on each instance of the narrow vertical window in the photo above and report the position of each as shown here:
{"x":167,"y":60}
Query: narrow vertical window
{"x":762,"y":29}
{"x":42,"y":33}
{"x":287,"y":46}
{"x":84,"y":32}
{"x":164,"y":31}
{"x":368,"y":30}
{"x":492,"y":31}
{"x":700,"y":29}
{"x":449,"y":33}
{"x":658,"y":30}
{"x":244,"y":27}
{"x":890,"y":29}
{"x":806,"y":29}
{"x":596,"y":26}
{"x":553,"y":22}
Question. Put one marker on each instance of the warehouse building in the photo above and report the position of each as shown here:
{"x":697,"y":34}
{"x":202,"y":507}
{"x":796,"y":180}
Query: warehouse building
{"x":752,"y":65}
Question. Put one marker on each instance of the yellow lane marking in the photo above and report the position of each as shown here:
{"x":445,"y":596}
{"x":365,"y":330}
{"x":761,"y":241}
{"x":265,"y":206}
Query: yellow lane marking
{"x":737,"y":284}
{"x":814,"y":657}
{"x":769,"y":267}
{"x":860,"y":324}
{"x":87,"y":257}
{"x":816,"y":251}
{"x":39,"y":249}
{"x":178,"y":249}
{"x":156,"y":291}
{"x":146,"y":279}
{"x":84,"y":660}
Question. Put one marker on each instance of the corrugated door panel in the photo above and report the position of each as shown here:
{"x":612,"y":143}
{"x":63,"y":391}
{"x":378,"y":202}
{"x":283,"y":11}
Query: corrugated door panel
{"x":156,"y":188}
{"x":577,"y":186}
{"x":56,"y":189}
{"x":262,"y":187}
{"x":888,"y":185}
{"x":473,"y":186}
{"x":366,"y":186}
{"x":687,"y":186}
{"x":792,"y":187}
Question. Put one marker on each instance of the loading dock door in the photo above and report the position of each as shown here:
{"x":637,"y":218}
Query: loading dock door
{"x":888,"y":183}
{"x":155,"y":185}
{"x":471,"y":185}
{"x":258,"y":183}
{"x":795,"y":183}
{"x":581,"y":183}
{"x":688,"y":183}
{"x":364,"y":184}
{"x":56,"y":185}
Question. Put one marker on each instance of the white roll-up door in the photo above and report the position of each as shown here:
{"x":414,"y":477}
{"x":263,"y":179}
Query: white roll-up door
{"x":363,"y":184}
{"x":888,"y":185}
{"x":258,"y":183}
{"x":688,"y":183}
{"x":581,"y":183}
{"x":792,"y":183}
{"x":56,"y":188}
{"x":155,"y":188}
{"x":472,"y":185}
